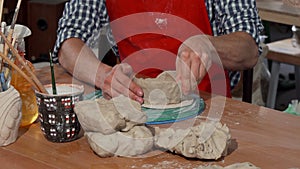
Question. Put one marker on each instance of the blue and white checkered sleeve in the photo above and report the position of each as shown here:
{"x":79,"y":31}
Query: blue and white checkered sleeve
{"x":239,"y":15}
{"x":81,"y":19}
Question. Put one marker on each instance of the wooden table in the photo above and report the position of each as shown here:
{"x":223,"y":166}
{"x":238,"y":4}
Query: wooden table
{"x":262,"y":136}
{"x":282,"y":52}
{"x":276,"y":11}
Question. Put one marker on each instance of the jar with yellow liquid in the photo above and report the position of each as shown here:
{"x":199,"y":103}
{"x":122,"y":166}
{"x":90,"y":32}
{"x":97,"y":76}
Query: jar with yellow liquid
{"x":29,"y":104}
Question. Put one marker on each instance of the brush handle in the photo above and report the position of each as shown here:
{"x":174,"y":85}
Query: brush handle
{"x":14,"y":66}
{"x":52,"y":75}
{"x":39,"y":85}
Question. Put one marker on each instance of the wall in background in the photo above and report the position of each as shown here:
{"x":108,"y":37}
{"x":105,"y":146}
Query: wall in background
{"x":41,"y":16}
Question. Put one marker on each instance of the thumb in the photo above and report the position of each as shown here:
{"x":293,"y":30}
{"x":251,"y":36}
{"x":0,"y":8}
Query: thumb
{"x":126,"y":69}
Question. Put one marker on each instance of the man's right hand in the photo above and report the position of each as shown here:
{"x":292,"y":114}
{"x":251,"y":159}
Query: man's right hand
{"x":118,"y":81}
{"x":78,"y":59}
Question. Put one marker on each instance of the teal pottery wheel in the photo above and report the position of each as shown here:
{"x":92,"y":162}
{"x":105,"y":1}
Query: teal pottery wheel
{"x":171,"y":115}
{"x":165,"y":115}
{"x":92,"y":96}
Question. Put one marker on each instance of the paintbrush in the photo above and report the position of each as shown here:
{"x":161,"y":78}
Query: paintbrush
{"x":10,"y":34}
{"x":1,"y":9}
{"x":1,"y":12}
{"x":14,"y":66}
{"x":52,"y":75}
{"x":20,"y":59}
{"x":12,"y":26}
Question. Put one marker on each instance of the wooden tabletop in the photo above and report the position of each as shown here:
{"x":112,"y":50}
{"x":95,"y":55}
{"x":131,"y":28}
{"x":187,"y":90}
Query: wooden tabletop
{"x":265,"y":137}
{"x":277,"y":11}
{"x":282,"y":51}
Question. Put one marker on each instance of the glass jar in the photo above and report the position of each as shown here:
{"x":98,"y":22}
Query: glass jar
{"x":29,"y":104}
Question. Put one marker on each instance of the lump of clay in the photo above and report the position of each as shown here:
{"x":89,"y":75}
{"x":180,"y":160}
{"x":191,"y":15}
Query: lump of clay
{"x":109,"y":116}
{"x":136,"y":141}
{"x":10,"y":116}
{"x":245,"y":165}
{"x":161,"y":90}
{"x":186,"y":141}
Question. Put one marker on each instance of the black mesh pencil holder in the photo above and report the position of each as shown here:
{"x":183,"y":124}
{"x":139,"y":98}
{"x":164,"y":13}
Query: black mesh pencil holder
{"x":57,"y":118}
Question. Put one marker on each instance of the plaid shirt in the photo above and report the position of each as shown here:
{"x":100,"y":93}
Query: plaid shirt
{"x":84,"y":19}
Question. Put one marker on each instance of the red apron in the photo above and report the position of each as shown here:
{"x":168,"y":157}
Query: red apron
{"x":149,"y":32}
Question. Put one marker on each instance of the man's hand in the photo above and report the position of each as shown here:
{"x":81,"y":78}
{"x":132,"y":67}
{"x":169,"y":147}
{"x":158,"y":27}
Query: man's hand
{"x":80,"y":60}
{"x":118,"y":81}
{"x":192,"y":63}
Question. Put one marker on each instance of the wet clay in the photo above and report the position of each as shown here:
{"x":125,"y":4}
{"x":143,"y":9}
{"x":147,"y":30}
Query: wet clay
{"x":245,"y":165}
{"x":186,"y":141}
{"x":109,"y":116}
{"x":117,"y":127}
{"x":162,"y":90}
{"x":138,"y":140}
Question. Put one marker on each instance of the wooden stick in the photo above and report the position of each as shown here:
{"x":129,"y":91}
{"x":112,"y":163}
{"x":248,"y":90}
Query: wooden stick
{"x":20,"y":59}
{"x":7,"y":70}
{"x":1,"y":9}
{"x":52,"y":74}
{"x":14,"y":66}
{"x":12,"y":27}
{"x":1,"y":13}
{"x":16,"y":14}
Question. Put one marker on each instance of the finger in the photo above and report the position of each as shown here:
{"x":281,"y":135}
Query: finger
{"x":206,"y":63}
{"x":184,"y":74}
{"x":116,"y":90}
{"x":137,"y":92}
{"x":111,"y":82}
{"x":106,"y":87}
{"x":107,"y":92}
{"x":120,"y":88}
{"x":179,"y":66}
{"x":106,"y":96}
{"x":195,"y":65}
{"x":122,"y":84}
{"x":126,"y":69}
{"x":195,"y":71}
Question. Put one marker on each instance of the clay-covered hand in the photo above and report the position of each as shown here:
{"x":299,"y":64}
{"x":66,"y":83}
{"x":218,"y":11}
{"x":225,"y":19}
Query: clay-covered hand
{"x":194,"y":58}
{"x":118,"y":81}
